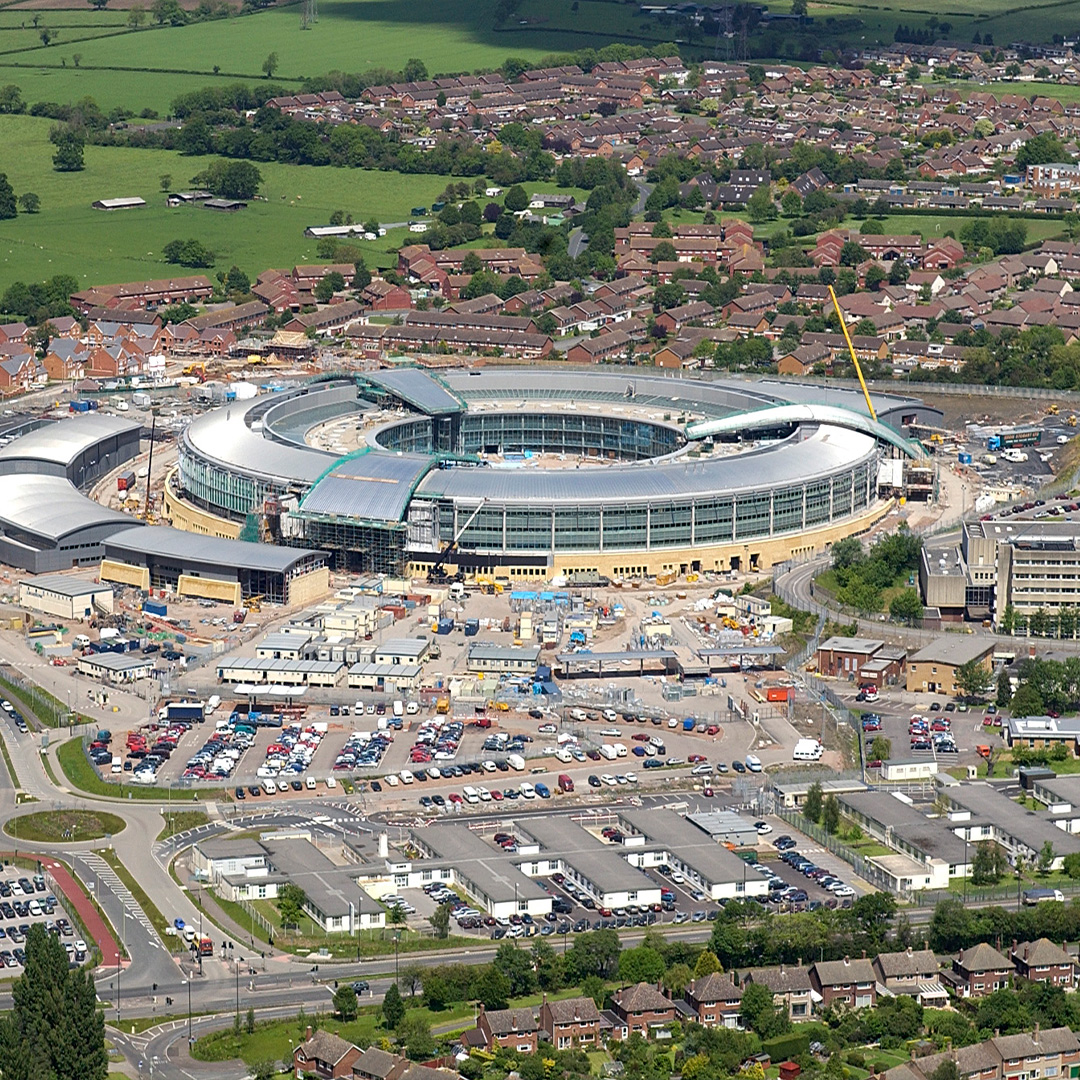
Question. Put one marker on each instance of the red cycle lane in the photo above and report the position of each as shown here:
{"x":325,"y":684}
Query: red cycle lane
{"x":76,"y":900}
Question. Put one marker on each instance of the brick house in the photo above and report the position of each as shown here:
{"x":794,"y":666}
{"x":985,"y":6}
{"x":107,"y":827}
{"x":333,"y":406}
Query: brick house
{"x":902,"y":972}
{"x":570,"y":1022}
{"x":376,"y":1064}
{"x":790,"y":986}
{"x":845,"y":982}
{"x":512,"y":1029}
{"x":324,"y":1054}
{"x":716,"y":1000}
{"x":1051,"y":1053}
{"x":1043,"y":961}
{"x":842,"y":657}
{"x":640,"y":1008}
{"x":980,"y":971}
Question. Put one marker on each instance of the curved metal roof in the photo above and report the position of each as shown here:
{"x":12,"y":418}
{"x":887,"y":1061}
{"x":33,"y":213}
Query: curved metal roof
{"x":65,"y":440}
{"x":806,"y":455}
{"x":50,"y":507}
{"x":802,"y":414}
{"x":195,"y":549}
{"x":372,"y":485}
{"x":223,"y":436}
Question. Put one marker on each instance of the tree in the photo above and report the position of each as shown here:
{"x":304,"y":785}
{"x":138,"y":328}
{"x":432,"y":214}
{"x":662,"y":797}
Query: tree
{"x":642,"y":964}
{"x":1046,"y":858}
{"x":899,"y":272}
{"x":328,"y":285}
{"x":1004,"y":689}
{"x":270,"y":65}
{"x":415,"y":1034}
{"x":290,"y":903}
{"x":345,"y":1002}
{"x":362,"y":276}
{"x":875,"y":275}
{"x":393,"y":1008}
{"x":663,"y":252}
{"x":791,"y":203}
{"x":192,"y":253}
{"x":667,"y":296}
{"x":8,"y":204}
{"x":165,"y":182}
{"x":471,"y":264}
{"x":414,"y":71}
{"x":515,"y":199}
{"x":69,"y":145}
{"x":971,"y":678}
{"x":516,"y":965}
{"x":880,"y":749}
{"x":760,"y":206}
{"x":798,"y":7}
{"x":830,"y":814}
{"x":11,"y":99}
{"x":46,"y":35}
{"x":1040,"y":150}
{"x":947,"y":1070}
{"x":440,"y":921}
{"x":76,"y":58}
{"x":851,"y":254}
{"x":988,"y":863}
{"x":54,"y":1029}
{"x":707,"y":964}
{"x":759,"y":1012}
{"x":1027,"y":701}
{"x":678,"y":976}
{"x":395,"y":916}
{"x":906,"y":607}
{"x":136,"y":16}
{"x":812,"y":804}
{"x":236,"y":281}
{"x":492,"y":987}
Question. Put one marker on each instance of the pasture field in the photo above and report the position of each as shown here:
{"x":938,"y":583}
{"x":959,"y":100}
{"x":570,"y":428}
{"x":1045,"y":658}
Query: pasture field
{"x":101,"y":247}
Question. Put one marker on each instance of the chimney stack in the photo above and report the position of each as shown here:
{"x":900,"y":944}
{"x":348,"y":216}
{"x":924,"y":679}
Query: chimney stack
{"x":307,"y":1036}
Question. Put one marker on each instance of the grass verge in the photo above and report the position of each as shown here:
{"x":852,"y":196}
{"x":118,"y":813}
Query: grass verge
{"x":82,"y":776}
{"x":171,"y":941}
{"x":9,"y":764}
{"x":178,"y":821}
{"x":55,"y":826}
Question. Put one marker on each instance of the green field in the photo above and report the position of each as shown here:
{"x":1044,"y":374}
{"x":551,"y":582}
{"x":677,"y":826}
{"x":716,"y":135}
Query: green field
{"x":98,"y":247}
{"x":53,"y":827}
{"x":351,"y":35}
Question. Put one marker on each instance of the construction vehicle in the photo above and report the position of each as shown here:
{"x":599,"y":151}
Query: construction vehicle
{"x":253,"y":604}
{"x":1052,"y":410}
{"x":1071,"y":421}
{"x":436,"y":575}
{"x":691,"y":578}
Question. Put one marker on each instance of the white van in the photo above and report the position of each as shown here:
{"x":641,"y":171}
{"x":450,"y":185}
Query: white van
{"x":608,"y":752}
{"x":406,"y":776}
{"x":82,"y":641}
{"x":516,"y":762}
{"x":269,"y":787}
{"x":807,"y":750}
{"x":412,"y":708}
{"x":310,"y":783}
{"x":470,"y":794}
{"x":399,"y":708}
{"x":331,"y":782}
{"x":753,"y":763}
{"x":117,"y":764}
{"x":527,"y":790}
{"x":620,"y":749}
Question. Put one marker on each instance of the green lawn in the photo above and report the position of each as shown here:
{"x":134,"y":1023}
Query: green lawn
{"x":100,"y":247}
{"x":178,"y":821}
{"x":1063,"y":92}
{"x":55,"y":826}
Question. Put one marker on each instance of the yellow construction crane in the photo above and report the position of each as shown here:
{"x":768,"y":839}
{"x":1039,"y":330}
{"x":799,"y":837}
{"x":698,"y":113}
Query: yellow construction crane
{"x":851,"y":349}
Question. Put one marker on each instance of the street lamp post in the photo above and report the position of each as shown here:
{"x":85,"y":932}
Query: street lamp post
{"x":239,"y":961}
{"x":187,"y":982}
{"x":397,"y":938}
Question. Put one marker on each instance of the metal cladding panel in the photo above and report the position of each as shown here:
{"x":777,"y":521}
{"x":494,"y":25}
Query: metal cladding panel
{"x":821,"y":453}
{"x":49,"y":507}
{"x":417,"y":388}
{"x":374,"y":486}
{"x":192,"y":548}
{"x":62,"y":442}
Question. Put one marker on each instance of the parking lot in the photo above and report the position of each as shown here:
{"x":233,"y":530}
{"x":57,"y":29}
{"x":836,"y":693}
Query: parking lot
{"x":24,"y":902}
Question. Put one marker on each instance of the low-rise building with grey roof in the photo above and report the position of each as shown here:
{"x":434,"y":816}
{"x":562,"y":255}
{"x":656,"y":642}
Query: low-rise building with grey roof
{"x":845,"y":982}
{"x":791,"y":988}
{"x":601,"y":869}
{"x":677,"y":842}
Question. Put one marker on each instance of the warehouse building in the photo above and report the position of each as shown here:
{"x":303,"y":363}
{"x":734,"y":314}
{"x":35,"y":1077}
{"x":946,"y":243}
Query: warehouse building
{"x":46,"y":525}
{"x":502,"y":658}
{"x":933,"y":668}
{"x":385,"y":678}
{"x":81,"y":449}
{"x":65,"y":597}
{"x":207,"y":566}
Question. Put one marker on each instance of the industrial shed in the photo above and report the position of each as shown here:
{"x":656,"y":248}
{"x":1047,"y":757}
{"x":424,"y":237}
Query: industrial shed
{"x":82,"y":449}
{"x":46,"y":525}
{"x":207,"y":566}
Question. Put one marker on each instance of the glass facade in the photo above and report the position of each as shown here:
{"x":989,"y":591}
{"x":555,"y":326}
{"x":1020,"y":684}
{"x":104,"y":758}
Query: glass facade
{"x":709,"y":519}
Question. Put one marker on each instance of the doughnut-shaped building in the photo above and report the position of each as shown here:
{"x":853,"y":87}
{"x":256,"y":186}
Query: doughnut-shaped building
{"x":523,"y":473}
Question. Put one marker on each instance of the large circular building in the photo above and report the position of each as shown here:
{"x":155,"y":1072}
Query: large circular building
{"x":523,"y":473}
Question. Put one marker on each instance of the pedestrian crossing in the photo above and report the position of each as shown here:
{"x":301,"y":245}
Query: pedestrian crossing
{"x":111,"y":880}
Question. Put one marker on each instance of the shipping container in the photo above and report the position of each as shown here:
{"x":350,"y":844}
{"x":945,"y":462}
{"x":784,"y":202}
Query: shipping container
{"x":472,"y":627}
{"x":125,"y":481}
{"x":444,"y":626}
{"x":777,"y":693}
{"x":155,"y":607}
{"x":965,"y":459}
